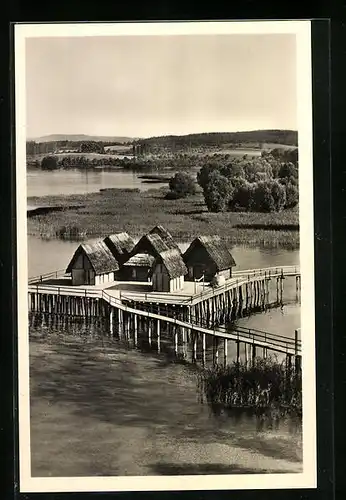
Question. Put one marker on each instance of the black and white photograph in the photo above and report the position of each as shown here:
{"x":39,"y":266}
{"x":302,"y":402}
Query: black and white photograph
{"x":165,"y":256}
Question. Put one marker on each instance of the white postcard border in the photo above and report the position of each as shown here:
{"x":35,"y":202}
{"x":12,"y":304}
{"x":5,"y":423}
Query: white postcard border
{"x":306,"y":479}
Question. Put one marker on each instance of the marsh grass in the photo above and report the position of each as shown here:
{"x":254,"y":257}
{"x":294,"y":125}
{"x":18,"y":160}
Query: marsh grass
{"x":109,"y":211}
{"x":266,"y":385}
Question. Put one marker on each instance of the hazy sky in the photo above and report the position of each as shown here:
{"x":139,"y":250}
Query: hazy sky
{"x":141,"y":86}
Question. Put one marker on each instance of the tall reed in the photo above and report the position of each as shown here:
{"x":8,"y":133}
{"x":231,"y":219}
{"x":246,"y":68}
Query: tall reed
{"x":265,"y":384}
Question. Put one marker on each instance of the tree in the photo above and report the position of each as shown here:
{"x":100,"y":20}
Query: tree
{"x":49,"y":163}
{"x":288,"y":171}
{"x":243,"y":197}
{"x":218,"y":192}
{"x":278,"y":192}
{"x":205,"y":173}
{"x":182,"y":185}
{"x":232,"y":170}
{"x":292,"y":195}
{"x":91,"y":147}
{"x":268,"y":196}
{"x":263,"y":200}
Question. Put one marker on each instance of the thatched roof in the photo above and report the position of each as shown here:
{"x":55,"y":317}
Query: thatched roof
{"x":100,"y":257}
{"x":140,"y":260}
{"x":152,"y":244}
{"x":165,"y":236}
{"x":215,"y":248}
{"x":173,"y":262}
{"x":120,"y":244}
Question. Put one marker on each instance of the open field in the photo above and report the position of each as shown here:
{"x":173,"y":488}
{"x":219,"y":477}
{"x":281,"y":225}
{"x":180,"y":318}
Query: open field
{"x":109,"y":211}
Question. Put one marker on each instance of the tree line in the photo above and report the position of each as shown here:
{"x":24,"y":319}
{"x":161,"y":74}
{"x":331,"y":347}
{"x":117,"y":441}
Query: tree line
{"x":35,"y":148}
{"x":215,"y":139}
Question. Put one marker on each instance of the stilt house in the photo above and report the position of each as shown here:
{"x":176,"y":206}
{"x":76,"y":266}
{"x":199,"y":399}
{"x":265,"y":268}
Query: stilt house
{"x":208,"y":256}
{"x":166,"y":237}
{"x":121,"y":246}
{"x":138,"y":267}
{"x":93,"y":264}
{"x":168,"y":271}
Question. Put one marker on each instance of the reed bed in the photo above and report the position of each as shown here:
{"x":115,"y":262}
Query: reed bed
{"x":97,"y":214}
{"x":265,"y":385}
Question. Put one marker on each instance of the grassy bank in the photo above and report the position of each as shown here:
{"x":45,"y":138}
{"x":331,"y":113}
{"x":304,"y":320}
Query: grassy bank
{"x":98,"y":214}
{"x":265,"y":388}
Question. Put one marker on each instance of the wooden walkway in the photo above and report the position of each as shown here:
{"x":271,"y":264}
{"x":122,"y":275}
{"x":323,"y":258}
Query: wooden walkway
{"x":127,"y":309}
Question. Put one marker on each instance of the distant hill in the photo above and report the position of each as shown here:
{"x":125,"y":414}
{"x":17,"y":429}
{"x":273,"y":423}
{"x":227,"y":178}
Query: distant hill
{"x":81,"y":137}
{"x":219,"y":139}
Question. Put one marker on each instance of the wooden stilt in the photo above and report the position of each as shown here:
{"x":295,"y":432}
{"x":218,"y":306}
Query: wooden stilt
{"x":194,"y":347}
{"x":225,"y":352}
{"x":158,"y":327}
{"x":135,"y":329}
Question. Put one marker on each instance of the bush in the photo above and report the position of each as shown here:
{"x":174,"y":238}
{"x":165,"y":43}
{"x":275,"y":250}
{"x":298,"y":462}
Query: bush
{"x":49,"y":163}
{"x":182,"y":185}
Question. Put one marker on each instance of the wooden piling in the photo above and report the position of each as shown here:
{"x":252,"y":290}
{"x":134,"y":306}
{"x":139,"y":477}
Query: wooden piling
{"x":135,"y":329}
{"x":149,"y":330}
{"x":194,"y":346}
{"x":175,"y":339}
{"x":225,"y":352}
{"x":158,"y":327}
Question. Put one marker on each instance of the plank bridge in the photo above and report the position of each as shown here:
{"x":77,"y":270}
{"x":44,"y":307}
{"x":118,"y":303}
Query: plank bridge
{"x":193,"y":319}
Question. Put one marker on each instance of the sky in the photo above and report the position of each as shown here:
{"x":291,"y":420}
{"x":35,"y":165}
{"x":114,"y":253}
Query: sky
{"x":142,"y":86}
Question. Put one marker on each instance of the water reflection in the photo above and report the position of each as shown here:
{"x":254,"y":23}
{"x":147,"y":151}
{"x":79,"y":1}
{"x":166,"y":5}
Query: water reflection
{"x":63,"y":333}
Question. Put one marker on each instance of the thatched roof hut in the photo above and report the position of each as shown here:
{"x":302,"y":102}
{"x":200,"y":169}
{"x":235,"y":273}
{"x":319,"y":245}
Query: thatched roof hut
{"x":152,"y":244}
{"x":92,"y":264}
{"x":140,"y":260}
{"x":121,"y":245}
{"x":99,"y":255}
{"x":169,"y":271}
{"x":138,"y":267}
{"x":173,"y":262}
{"x":165,"y":236}
{"x":208,"y":255}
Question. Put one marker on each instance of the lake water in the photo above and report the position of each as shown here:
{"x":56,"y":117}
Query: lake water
{"x":77,"y":181}
{"x":101,"y":407}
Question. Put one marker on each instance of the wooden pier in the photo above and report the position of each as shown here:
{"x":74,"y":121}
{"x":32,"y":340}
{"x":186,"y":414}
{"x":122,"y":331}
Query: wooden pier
{"x":193,"y":319}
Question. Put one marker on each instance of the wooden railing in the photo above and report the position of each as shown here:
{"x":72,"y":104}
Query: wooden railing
{"x":269,"y":272}
{"x":48,"y":276}
{"x":272,"y":341}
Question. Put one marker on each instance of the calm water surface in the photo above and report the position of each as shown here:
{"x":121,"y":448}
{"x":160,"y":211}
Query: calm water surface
{"x":43,"y":183}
